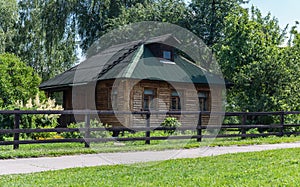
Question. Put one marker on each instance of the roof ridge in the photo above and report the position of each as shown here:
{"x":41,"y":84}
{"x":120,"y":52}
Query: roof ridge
{"x":120,"y":59}
{"x":132,"y":65}
{"x":192,"y":63}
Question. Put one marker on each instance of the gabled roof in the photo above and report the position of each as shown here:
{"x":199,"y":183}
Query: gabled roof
{"x":132,"y":60}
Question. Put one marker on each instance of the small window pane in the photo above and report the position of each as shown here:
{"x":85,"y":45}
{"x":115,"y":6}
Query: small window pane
{"x":167,"y":54}
{"x":148,"y":92}
{"x":202,"y":95}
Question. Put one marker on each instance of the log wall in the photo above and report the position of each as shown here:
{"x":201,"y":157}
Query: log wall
{"x":130,"y":98}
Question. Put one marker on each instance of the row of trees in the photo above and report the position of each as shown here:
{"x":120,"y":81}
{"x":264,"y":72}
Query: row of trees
{"x":47,"y":34}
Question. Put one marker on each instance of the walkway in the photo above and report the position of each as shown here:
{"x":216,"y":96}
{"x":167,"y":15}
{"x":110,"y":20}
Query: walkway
{"x":29,"y":165}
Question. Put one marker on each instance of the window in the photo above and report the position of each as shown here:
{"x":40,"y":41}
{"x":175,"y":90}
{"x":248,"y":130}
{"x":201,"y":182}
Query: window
{"x":203,"y":101}
{"x":167,"y":55}
{"x":175,"y":101}
{"x":112,"y":99}
{"x":149,"y":95}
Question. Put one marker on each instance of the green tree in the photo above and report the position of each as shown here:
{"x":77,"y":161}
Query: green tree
{"x":17,"y":81}
{"x":92,"y":17}
{"x":251,"y":59}
{"x":8,"y":18}
{"x":291,"y":56}
{"x":171,"y":11}
{"x":50,"y":32}
{"x":208,"y":18}
{"x":46,"y":36}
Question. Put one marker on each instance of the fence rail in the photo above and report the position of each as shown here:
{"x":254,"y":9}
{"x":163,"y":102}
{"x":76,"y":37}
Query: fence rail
{"x":245,"y":123}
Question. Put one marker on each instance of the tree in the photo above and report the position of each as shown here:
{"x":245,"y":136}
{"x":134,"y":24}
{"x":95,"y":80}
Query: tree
{"x":208,"y":18}
{"x":291,"y":56}
{"x":8,"y":18}
{"x":92,"y":17}
{"x":17,"y":81}
{"x":171,"y":11}
{"x":251,"y":58}
{"x":50,"y":32}
{"x":46,"y":36}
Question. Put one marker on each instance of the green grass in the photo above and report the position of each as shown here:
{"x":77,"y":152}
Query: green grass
{"x":41,"y":150}
{"x":268,"y":168}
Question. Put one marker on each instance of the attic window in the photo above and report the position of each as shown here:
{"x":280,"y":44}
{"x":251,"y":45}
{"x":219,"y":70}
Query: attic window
{"x":167,"y":55}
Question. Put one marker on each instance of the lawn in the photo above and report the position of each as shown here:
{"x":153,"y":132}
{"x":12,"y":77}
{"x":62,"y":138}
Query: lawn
{"x":39,"y":150}
{"x":268,"y":168}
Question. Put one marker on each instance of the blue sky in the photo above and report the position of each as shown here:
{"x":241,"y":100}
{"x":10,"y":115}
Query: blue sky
{"x":286,"y":11}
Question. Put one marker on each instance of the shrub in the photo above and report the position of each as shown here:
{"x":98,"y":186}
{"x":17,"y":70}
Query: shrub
{"x":75,"y":134}
{"x":94,"y":134}
{"x":39,"y":120}
{"x":170,"y":122}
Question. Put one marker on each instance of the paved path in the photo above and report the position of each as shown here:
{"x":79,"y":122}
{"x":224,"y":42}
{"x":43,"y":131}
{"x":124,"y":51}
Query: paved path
{"x":29,"y":165}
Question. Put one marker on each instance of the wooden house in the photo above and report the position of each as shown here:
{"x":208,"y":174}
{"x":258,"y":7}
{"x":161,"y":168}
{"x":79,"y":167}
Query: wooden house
{"x":138,"y":76}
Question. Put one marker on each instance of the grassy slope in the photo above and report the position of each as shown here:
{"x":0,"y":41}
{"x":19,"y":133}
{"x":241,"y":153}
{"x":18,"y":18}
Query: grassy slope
{"x":268,"y":168}
{"x":77,"y":148}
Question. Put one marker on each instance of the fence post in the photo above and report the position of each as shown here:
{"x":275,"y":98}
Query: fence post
{"x":87,"y":132}
{"x":16,"y":127}
{"x":148,"y":126}
{"x":282,"y":123}
{"x":199,"y":127}
{"x":244,"y":118}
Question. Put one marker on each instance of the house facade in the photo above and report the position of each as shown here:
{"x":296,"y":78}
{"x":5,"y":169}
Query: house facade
{"x":138,"y":76}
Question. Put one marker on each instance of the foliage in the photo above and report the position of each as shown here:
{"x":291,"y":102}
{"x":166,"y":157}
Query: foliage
{"x":17,"y":81}
{"x":290,"y":57}
{"x":92,"y":17}
{"x":171,"y":11}
{"x":45,"y":37}
{"x":252,"y":60}
{"x":171,"y":122}
{"x":8,"y":18}
{"x":49,"y":33}
{"x":39,"y":120}
{"x":208,"y":18}
{"x":94,"y":134}
{"x":75,"y":134}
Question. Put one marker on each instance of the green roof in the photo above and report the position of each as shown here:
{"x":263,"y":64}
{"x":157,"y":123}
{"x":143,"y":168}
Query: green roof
{"x":132,"y":60}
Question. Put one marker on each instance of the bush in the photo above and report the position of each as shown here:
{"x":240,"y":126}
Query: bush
{"x":94,"y":134}
{"x":75,"y":134}
{"x":170,"y":122}
{"x":36,"y":120}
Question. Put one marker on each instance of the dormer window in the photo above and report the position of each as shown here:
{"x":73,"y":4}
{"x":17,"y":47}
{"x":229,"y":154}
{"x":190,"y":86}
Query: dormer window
{"x":167,"y":55}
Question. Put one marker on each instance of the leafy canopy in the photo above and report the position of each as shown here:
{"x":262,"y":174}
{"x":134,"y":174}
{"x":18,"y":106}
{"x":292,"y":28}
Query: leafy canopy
{"x":251,"y":57}
{"x":17,"y":81}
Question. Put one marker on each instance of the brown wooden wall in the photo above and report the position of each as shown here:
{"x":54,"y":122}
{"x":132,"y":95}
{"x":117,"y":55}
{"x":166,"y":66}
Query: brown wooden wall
{"x":130,"y":98}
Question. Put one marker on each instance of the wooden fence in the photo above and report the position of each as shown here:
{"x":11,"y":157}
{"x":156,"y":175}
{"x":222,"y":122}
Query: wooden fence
{"x":244,"y":119}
